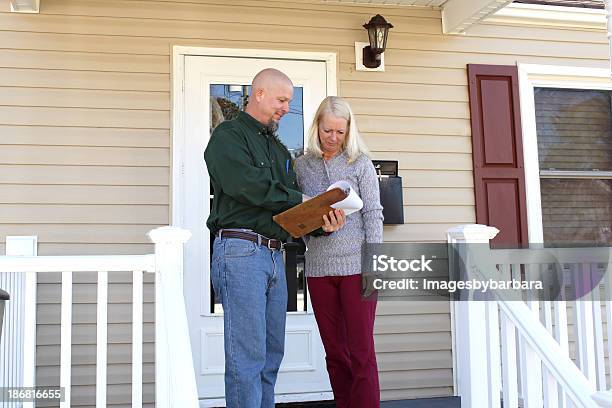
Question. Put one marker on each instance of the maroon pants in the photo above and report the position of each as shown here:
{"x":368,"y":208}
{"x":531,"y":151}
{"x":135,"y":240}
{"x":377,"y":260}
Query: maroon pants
{"x":346,"y":324}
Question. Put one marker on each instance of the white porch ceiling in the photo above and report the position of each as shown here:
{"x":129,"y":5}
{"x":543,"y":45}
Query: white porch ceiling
{"x":457,"y":15}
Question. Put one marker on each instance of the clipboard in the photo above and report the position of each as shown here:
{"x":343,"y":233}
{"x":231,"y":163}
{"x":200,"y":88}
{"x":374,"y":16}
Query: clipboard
{"x":308,"y":216}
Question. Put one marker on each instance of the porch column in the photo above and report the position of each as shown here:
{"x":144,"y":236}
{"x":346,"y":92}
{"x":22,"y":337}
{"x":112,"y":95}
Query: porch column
{"x":470,"y":328}
{"x":175,"y":381}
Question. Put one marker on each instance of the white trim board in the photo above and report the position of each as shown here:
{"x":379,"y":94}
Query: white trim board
{"x":546,"y":76}
{"x":556,"y":16}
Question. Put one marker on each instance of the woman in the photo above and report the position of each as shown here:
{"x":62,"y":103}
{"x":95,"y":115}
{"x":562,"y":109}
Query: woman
{"x":333,"y":262}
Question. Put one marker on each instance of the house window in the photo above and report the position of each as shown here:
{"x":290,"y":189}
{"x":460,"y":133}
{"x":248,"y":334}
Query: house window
{"x":574,"y":132}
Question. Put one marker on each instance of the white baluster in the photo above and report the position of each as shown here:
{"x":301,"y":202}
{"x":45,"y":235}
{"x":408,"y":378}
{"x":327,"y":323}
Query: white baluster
{"x":531,"y":373}
{"x":584,"y":326}
{"x":607,"y":281}
{"x":530,"y":365}
{"x":101,"y":339}
{"x":600,"y":364}
{"x":137,"y":306}
{"x":494,"y":359}
{"x":66,"y":339}
{"x":551,"y":394}
{"x":509,"y":367}
{"x":560,"y":312}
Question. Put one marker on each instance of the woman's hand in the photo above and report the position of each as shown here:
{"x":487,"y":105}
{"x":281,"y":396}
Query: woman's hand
{"x":367,"y":284}
{"x":334,"y":222}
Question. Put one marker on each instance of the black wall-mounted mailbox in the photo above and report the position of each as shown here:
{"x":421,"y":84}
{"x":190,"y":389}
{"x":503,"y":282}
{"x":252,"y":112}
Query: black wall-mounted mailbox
{"x":391,"y":196}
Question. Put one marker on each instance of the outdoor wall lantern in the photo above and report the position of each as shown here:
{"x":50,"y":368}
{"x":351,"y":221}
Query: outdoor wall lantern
{"x":378,"y":30}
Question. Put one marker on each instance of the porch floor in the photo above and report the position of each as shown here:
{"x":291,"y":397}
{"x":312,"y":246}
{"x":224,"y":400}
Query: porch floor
{"x":441,"y":402}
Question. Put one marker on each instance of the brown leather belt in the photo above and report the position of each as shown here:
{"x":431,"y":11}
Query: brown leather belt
{"x":253,"y":237}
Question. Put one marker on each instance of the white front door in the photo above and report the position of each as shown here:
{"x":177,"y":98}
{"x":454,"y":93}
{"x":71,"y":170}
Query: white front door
{"x":214,"y":90}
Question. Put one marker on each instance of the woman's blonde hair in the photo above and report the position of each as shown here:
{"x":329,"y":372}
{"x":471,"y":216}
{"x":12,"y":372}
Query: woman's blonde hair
{"x":339,"y":108}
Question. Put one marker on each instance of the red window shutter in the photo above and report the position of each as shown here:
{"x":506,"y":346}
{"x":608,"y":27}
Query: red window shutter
{"x":499,"y":176}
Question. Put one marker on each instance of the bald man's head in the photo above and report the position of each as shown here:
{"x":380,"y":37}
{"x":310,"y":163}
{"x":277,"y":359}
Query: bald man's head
{"x":271,"y":92}
{"x":268,"y":77}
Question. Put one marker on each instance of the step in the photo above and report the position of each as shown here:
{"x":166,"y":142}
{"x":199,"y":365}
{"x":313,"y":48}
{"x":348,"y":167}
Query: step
{"x":442,"y":402}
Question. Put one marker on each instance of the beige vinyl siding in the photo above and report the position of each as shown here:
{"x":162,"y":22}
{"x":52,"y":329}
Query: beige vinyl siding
{"x":85,"y":142}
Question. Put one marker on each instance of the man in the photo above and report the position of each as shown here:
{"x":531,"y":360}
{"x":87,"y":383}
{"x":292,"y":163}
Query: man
{"x":253,"y":179}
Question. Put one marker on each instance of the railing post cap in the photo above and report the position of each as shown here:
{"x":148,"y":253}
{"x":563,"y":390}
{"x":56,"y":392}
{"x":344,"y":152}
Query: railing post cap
{"x":169,"y":235}
{"x":472,"y":232}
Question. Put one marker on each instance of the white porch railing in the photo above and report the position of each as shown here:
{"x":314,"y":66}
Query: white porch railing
{"x":175,"y":384}
{"x":513,"y":353}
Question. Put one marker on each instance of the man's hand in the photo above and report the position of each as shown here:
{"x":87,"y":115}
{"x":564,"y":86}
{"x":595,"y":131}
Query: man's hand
{"x":334,"y":222}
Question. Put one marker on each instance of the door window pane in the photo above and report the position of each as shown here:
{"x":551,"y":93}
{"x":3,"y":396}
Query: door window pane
{"x":225,"y":103}
{"x":227,"y":100}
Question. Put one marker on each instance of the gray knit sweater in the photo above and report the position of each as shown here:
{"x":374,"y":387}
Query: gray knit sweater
{"x":339,"y":254}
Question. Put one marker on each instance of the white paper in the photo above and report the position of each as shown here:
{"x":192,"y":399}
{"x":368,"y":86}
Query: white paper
{"x":351,"y":203}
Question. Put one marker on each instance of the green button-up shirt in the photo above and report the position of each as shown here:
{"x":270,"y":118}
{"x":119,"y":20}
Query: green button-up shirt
{"x":252,"y":178}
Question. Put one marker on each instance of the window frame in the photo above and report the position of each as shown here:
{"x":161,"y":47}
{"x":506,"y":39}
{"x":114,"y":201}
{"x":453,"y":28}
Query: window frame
{"x":550,"y":76}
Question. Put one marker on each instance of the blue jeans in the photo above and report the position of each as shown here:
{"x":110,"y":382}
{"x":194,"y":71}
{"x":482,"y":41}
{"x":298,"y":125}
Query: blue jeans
{"x":250,"y":281}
